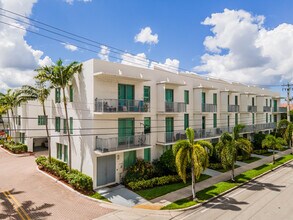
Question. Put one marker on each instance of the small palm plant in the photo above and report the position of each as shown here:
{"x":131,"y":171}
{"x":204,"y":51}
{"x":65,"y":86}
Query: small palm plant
{"x":194,"y":154}
{"x":273,"y":143}
{"x":228,"y":147}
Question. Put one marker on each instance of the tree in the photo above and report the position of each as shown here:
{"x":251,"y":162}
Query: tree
{"x":273,"y":143}
{"x":228,"y":147}
{"x":41,"y":93}
{"x":193,"y":154}
{"x":285,"y":128}
{"x":60,"y":76}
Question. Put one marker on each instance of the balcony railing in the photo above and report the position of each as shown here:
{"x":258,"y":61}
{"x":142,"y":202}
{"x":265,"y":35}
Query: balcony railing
{"x":267,"y":109}
{"x":258,"y":127}
{"x":209,"y":107}
{"x":233,"y":108}
{"x":280,"y":109}
{"x":122,"y":143}
{"x":175,"y":107}
{"x":121,"y":105}
{"x":251,"y":108}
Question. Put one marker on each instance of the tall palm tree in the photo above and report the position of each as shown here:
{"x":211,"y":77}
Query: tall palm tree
{"x":273,"y":143}
{"x":193,"y":154}
{"x":60,"y":76}
{"x":285,"y":128}
{"x":41,"y":93}
{"x":228,"y":147}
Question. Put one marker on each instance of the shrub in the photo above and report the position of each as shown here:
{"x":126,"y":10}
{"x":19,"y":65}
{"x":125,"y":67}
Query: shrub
{"x":157,"y":181}
{"x":257,"y":140}
{"x":215,"y":166}
{"x":76,"y":179}
{"x":166,"y":164}
{"x":141,"y":170}
{"x":16,"y":148}
{"x":261,"y":151}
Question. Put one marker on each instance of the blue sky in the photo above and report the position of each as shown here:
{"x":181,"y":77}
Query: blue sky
{"x":251,"y":41}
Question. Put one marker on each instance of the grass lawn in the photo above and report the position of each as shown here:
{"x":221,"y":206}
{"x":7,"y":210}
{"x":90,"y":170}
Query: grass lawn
{"x":158,"y":191}
{"x":251,"y":159}
{"x":221,"y":187}
{"x":98,"y":196}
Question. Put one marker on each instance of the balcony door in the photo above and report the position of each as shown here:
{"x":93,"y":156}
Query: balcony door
{"x":169,"y":129}
{"x":275,"y":106}
{"x":203,"y":121}
{"x":125,"y":97}
{"x":125,"y":131}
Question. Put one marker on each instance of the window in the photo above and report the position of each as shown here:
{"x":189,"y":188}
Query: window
{"x":129,"y":158}
{"x":71,"y":125}
{"x":71,"y":93}
{"x":270,"y":103}
{"x":59,"y":151}
{"x":57,"y":95}
{"x":228,"y":121}
{"x":253,"y":118}
{"x":236,"y":100}
{"x":42,"y":120}
{"x":236,"y":119}
{"x":169,"y":129}
{"x":267,"y":117}
{"x":270,"y":118}
{"x":18,"y":120}
{"x":186,"y":121}
{"x":252,"y":101}
{"x":65,"y":153}
{"x":147,"y":125}
{"x":186,"y":96}
{"x":203,"y":98}
{"x":147,"y":93}
{"x":215,"y":98}
{"x":64,"y":126}
{"x":203,"y":122}
{"x":266,"y":102}
{"x":21,"y":137}
{"x":125,"y":131}
{"x":215,"y":120}
{"x":147,"y":154}
{"x":57,"y":124}
{"x":169,"y":95}
{"x":228,"y":100}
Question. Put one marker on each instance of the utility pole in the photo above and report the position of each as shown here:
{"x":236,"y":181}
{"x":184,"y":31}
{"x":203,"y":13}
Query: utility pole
{"x":288,"y":87}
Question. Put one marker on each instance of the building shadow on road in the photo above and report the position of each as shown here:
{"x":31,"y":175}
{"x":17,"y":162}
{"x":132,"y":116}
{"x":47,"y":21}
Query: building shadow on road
{"x":8,"y":210}
{"x":225,"y":203}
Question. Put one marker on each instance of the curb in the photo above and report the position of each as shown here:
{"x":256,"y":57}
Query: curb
{"x":229,"y":190}
{"x":16,"y":155}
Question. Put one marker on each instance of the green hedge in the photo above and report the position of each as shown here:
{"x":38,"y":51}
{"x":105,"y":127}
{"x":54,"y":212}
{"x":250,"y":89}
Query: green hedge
{"x":76,"y":179}
{"x":16,"y":148}
{"x":157,"y":181}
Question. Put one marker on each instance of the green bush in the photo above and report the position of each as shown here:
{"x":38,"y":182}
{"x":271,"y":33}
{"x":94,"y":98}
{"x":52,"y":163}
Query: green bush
{"x":260,"y":152}
{"x":215,"y":166}
{"x":166,"y":164}
{"x":16,"y":148}
{"x":157,"y":181}
{"x":257,"y":140}
{"x":141,"y":170}
{"x":76,"y":179}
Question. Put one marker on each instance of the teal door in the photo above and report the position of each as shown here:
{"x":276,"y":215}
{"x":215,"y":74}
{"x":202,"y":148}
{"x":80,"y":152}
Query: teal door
{"x":129,"y":158}
{"x":275,"y":106}
{"x":169,"y":95}
{"x":215,"y":98}
{"x":236,"y":100}
{"x":169,"y":129}
{"x":252,"y":101}
{"x":125,"y":97}
{"x":203,"y":101}
{"x":203,"y":121}
{"x":106,"y":170}
{"x":125,"y":131}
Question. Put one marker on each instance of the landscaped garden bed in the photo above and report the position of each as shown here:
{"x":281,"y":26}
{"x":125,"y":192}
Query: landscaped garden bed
{"x":247,"y":160}
{"x":219,"y":167}
{"x":73,"y":178}
{"x":15,"y":148}
{"x":263,"y":152}
{"x":222,"y":187}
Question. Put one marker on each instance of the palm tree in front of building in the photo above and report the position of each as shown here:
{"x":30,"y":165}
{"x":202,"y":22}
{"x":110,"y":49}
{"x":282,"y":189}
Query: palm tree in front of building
{"x":285,"y":128}
{"x":194,"y":154}
{"x":41,"y":93}
{"x":273,"y":143}
{"x":228,"y":147}
{"x":61,"y":76}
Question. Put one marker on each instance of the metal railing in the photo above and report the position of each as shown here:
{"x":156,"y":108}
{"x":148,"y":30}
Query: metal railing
{"x":209,"y":107}
{"x":251,"y":108}
{"x":175,"y":107}
{"x":283,"y":109}
{"x":267,"y":109}
{"x":233,"y":108}
{"x":122,"y":143}
{"x":121,"y":105}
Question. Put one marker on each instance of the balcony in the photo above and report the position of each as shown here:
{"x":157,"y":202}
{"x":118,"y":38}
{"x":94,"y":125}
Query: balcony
{"x":258,"y":127}
{"x":280,"y":109}
{"x":171,"y":137}
{"x":267,"y":109}
{"x":121,"y":105}
{"x":111,"y":144}
{"x":233,"y":108}
{"x":251,"y":108}
{"x":209,"y":107}
{"x":175,"y":107}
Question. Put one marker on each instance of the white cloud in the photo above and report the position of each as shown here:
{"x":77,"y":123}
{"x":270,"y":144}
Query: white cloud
{"x":145,"y":36}
{"x":171,"y":65}
{"x":242,"y":49}
{"x":138,"y":60}
{"x":71,"y":1}
{"x":70,"y":47}
{"x":104,"y":53}
{"x":17,"y":58}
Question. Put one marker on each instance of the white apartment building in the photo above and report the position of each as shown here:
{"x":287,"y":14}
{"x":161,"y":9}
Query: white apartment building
{"x":119,"y":113}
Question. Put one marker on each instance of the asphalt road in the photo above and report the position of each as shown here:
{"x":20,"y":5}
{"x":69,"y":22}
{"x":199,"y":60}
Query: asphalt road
{"x":269,"y":197}
{"x":25,"y":193}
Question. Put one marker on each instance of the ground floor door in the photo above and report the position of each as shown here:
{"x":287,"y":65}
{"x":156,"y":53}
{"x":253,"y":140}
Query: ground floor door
{"x":106,"y":167}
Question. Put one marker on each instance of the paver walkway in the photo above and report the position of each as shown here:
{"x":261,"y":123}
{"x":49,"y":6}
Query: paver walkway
{"x":186,"y":192}
{"x":211,"y":172}
{"x":257,"y":155}
{"x":239,"y":163}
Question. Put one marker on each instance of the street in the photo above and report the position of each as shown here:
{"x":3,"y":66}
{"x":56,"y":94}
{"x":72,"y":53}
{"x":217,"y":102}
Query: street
{"x":269,"y":197}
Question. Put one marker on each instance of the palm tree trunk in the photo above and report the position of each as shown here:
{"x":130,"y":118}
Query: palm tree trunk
{"x":67,"y":127}
{"x":193,"y":182}
{"x":47,"y":130}
{"x":13,"y":122}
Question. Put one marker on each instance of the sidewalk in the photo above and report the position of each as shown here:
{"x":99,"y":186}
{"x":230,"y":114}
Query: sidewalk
{"x":186,"y":192}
